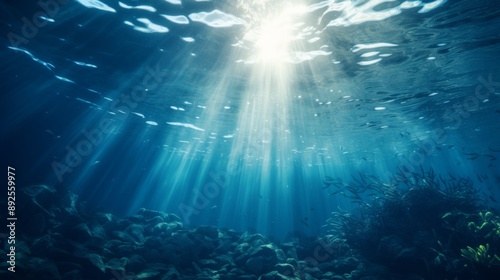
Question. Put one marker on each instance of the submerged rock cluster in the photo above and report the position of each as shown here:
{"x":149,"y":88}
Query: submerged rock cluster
{"x":61,"y":240}
{"x":423,"y":230}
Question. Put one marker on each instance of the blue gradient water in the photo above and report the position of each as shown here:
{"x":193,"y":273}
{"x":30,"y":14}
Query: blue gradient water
{"x":231,"y":113}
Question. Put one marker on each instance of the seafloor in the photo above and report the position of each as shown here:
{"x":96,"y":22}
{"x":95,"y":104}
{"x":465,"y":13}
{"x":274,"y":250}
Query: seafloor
{"x":421,"y":226}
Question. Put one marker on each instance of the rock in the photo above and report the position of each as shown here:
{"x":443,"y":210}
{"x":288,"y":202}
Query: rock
{"x":284,"y":268}
{"x":274,"y":275}
{"x":80,"y":233}
{"x":225,"y":260}
{"x":153,"y":242}
{"x":208,"y":231}
{"x":171,"y":274}
{"x":68,"y":224}
{"x":44,"y":268}
{"x":43,"y":196}
{"x":148,"y":273}
{"x":149,"y":214}
{"x":36,"y":224}
{"x":292,"y":261}
{"x":69,"y":204}
{"x":290,"y":250}
{"x":167,"y":228}
{"x":96,"y":260}
{"x":154,"y":221}
{"x":241,"y":249}
{"x":266,"y":251}
{"x":246,"y":277}
{"x":254,"y":239}
{"x":211,"y":264}
{"x":117,"y":264}
{"x":155,"y":254}
{"x":313,"y":271}
{"x":124,"y":250}
{"x":174,"y":218}
{"x":104,"y":218}
{"x":136,"y":231}
{"x":179,"y":249}
{"x":223,"y":247}
{"x":136,"y":219}
{"x":41,"y":245}
{"x":72,"y":275}
{"x":98,"y":234}
{"x":345,"y":265}
{"x":204,"y":245}
{"x":262,"y":259}
{"x":135,"y":263}
{"x":124,"y":237}
{"x":258,"y":266}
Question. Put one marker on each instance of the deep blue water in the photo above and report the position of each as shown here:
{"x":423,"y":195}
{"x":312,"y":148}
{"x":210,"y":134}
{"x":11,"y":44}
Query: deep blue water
{"x":194,"y":108}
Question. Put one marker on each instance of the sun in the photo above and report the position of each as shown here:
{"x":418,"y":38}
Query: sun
{"x":273,"y":36}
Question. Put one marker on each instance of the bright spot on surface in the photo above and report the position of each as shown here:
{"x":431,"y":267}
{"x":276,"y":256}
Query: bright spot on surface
{"x":273,"y":41}
{"x":368,"y":54}
{"x":359,"y":47}
{"x":369,"y":62}
{"x":85,"y":64}
{"x":175,"y":2}
{"x":96,"y":5}
{"x":177,"y":19}
{"x":379,"y":108}
{"x":216,"y":19}
{"x":47,"y":19}
{"x":274,"y":35}
{"x":64,"y":79}
{"x":188,"y":39}
{"x":151,"y":27}
{"x":152,"y":123}
{"x":138,"y":114}
{"x":188,"y":125}
{"x":432,"y":94}
{"x":312,"y":40}
{"x":427,"y":7}
{"x":140,"y":7}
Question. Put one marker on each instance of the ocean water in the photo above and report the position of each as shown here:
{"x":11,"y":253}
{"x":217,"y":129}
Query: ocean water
{"x":262,"y":117}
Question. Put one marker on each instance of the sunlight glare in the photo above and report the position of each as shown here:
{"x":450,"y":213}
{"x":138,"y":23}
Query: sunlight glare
{"x":274,"y":35}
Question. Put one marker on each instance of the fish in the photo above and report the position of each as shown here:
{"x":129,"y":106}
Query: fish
{"x":334,"y":193}
{"x":474,"y":157}
{"x":495,"y":150}
{"x":479,"y":178}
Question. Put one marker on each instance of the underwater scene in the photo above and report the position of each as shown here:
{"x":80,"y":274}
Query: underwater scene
{"x":250,"y":139}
